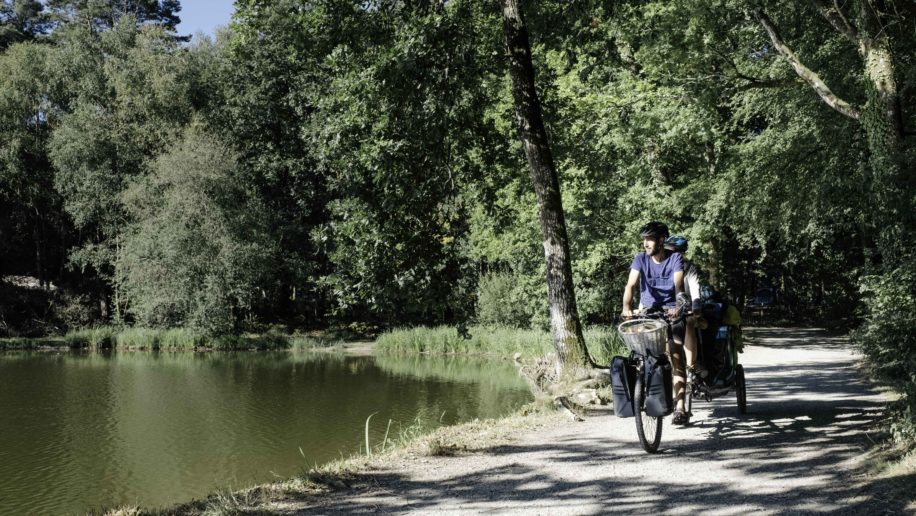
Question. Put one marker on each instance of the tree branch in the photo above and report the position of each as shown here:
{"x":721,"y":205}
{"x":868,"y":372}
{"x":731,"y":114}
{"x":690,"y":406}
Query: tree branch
{"x":807,"y":75}
{"x":832,"y":12}
{"x":751,"y":82}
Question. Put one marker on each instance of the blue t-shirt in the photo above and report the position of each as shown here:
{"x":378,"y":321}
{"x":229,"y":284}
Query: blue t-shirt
{"x":656,"y":280}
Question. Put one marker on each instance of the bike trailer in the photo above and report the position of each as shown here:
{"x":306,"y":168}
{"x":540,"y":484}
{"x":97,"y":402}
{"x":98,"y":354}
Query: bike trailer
{"x":623,"y":380}
{"x":658,"y":382}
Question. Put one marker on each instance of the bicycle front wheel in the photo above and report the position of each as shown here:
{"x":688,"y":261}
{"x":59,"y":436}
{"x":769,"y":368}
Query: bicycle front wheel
{"x":648,"y":428}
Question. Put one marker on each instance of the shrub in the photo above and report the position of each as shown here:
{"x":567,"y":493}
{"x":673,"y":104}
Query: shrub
{"x":511,"y":300}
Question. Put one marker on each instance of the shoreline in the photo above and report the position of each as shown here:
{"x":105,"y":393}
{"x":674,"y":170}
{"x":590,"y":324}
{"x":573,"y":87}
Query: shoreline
{"x":245,"y":342}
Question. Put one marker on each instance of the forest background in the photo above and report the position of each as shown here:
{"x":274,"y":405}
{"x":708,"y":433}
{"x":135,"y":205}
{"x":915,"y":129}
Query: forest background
{"x":355,"y":164}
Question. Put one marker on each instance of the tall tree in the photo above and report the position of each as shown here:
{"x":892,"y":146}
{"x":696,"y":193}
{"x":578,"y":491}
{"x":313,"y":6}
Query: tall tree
{"x":569,"y":342}
{"x":196,"y":251}
{"x":866,"y":26}
{"x":32,"y":223}
{"x":128,"y":100}
{"x":99,"y":15}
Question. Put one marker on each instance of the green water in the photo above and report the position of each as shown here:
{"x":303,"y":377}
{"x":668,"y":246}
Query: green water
{"x":82,"y":432}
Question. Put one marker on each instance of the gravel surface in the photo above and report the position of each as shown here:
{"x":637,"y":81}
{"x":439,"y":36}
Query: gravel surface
{"x":798,"y":450}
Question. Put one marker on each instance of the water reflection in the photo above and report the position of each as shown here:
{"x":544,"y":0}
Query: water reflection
{"x":79,"y":432}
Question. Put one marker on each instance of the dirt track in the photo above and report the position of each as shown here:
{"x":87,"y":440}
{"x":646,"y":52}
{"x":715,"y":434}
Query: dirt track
{"x":798,"y":450}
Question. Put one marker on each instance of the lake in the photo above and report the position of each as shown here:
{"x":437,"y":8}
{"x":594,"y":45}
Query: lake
{"x":83,"y":432}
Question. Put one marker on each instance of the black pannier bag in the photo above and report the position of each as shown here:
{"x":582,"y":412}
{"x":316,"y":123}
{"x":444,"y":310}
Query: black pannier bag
{"x":623,"y":379}
{"x":658,"y":386}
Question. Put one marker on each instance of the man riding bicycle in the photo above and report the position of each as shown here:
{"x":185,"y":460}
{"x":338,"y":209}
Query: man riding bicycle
{"x":660,"y":276}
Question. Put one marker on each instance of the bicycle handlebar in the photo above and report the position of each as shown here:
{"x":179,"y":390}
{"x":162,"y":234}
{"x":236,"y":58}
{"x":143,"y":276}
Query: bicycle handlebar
{"x":662,"y":313}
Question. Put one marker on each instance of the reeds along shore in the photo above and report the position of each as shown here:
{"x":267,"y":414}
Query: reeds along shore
{"x":603,"y":341}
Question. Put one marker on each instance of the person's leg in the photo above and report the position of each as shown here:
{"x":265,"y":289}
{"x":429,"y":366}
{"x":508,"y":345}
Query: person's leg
{"x":690,"y":343}
{"x":677,"y":362}
{"x":677,"y":368}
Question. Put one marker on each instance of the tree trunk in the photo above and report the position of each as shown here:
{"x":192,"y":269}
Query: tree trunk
{"x":39,"y":261}
{"x":564,"y":317}
{"x":883,"y":124}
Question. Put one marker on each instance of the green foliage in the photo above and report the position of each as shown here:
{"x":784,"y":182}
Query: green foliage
{"x":483,"y":340}
{"x":505,"y":299}
{"x":127,"y":102}
{"x":389,"y":131}
{"x":198,"y":250}
{"x":100,"y":15}
{"x":888,"y":340}
{"x":33,"y":225}
{"x":28,"y":344}
{"x":176,"y":339}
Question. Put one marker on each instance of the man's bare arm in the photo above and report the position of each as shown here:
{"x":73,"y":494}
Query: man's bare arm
{"x":632,"y":281}
{"x":679,"y":282}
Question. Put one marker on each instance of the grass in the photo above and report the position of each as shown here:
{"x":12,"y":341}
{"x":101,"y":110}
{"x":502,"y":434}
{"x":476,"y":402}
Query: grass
{"x":101,"y":337}
{"x":603,"y":341}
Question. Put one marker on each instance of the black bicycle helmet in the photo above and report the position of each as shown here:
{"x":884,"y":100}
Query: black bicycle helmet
{"x":654,"y":229}
{"x":676,"y":243}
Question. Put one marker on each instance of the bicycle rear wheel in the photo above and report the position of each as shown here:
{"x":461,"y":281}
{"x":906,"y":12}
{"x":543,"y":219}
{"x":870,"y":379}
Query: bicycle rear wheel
{"x":648,"y":428}
{"x":741,"y":389}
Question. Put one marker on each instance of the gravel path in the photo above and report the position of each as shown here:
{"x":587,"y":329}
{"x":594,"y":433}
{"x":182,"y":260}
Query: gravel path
{"x":798,"y":450}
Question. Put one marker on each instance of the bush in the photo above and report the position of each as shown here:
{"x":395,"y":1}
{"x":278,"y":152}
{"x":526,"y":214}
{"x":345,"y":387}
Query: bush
{"x":888,"y":340}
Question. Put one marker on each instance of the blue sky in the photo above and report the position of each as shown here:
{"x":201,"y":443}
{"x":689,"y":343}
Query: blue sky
{"x":204,"y":15}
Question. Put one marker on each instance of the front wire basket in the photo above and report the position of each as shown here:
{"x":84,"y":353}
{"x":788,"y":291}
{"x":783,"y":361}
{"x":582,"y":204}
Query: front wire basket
{"x":642,"y":335}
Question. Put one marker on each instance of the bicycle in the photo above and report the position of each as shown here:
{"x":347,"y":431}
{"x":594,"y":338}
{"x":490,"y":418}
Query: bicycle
{"x":648,"y":353}
{"x":717,"y":355}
